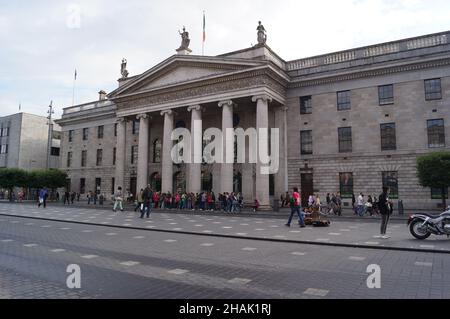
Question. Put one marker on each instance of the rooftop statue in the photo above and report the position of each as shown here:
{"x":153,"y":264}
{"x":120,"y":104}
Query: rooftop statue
{"x":262,"y":36}
{"x":185,"y":41}
{"x":123,"y":69}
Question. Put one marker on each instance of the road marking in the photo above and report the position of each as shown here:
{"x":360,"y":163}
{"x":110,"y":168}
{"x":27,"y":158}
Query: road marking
{"x":427,"y":246}
{"x":138,"y":237}
{"x":244,"y":224}
{"x":30,"y":245}
{"x":274,"y":226}
{"x":178,"y":271}
{"x":259,"y":229}
{"x":423,"y":264}
{"x":279,"y":236}
{"x":316,"y":292}
{"x":297,"y":253}
{"x":207,"y":231}
{"x":170,"y":241}
{"x":173,"y":223}
{"x":57,"y":250}
{"x":150,"y":226}
{"x":240,"y":281}
{"x":355,"y":258}
{"x":227,"y":227}
{"x":259,"y":222}
{"x":87,"y":231}
{"x":295,"y":231}
{"x":126,"y":224}
{"x":29,"y":224}
{"x":334,"y":234}
{"x":177,"y":229}
{"x":344,"y":230}
{"x":249,"y":249}
{"x":150,"y":221}
{"x":207,"y":245}
{"x":217,"y":222}
{"x":14,"y":222}
{"x":46,"y":226}
{"x":89,"y":256}
{"x":106,"y":223}
{"x":130,"y":263}
{"x":372,"y":243}
{"x":198,"y":225}
{"x":322,"y":239}
{"x":241,"y":234}
{"x":111,"y":234}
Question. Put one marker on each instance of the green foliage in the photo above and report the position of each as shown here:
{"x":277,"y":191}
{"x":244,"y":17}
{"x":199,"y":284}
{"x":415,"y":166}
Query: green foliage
{"x":14,"y":177}
{"x":433,"y":170}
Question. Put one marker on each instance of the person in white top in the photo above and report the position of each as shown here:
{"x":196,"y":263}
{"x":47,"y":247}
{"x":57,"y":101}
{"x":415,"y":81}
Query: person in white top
{"x":360,"y":204}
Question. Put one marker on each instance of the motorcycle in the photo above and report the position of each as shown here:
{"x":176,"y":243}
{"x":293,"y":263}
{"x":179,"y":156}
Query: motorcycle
{"x":423,"y":226}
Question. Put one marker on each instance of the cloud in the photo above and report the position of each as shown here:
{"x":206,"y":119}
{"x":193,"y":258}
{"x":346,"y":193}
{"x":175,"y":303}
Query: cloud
{"x":41,"y":47}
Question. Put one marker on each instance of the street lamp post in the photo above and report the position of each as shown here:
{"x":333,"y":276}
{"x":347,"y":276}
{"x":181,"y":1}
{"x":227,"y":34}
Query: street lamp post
{"x":50,"y":132}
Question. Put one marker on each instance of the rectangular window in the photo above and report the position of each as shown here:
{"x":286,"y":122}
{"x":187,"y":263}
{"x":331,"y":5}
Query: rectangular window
{"x":345,"y":139}
{"x":113,"y":185}
{"x":99,"y":157}
{"x":82,"y":185}
{"x":134,"y":154}
{"x":56,"y":135}
{"x":83,"y":158}
{"x":436,"y":193}
{"x":71,"y":134}
{"x":346,"y":184}
{"x":4,"y":132}
{"x":114,"y":156}
{"x":306,"y":145}
{"x":85,"y":134}
{"x":433,"y":89}
{"x":100,"y":130}
{"x":69,"y":159}
{"x":4,"y":149}
{"x":343,"y":100}
{"x":98,"y":185}
{"x":305,"y":105}
{"x":390,"y":179}
{"x":388,"y":137}
{"x":136,"y":125}
{"x":436,"y":133}
{"x":115,"y":129}
{"x":55,"y":151}
{"x":386,"y":94}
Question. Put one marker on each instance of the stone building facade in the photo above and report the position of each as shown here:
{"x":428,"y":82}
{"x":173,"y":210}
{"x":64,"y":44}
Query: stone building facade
{"x":349,"y":121}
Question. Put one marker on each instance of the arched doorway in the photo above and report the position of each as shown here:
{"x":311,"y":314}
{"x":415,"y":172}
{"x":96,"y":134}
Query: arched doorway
{"x":179,"y":182}
{"x":207,"y":181}
{"x":155,"y":182}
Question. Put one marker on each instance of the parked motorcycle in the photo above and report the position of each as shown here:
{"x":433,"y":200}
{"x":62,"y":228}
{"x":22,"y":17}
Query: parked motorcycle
{"x":423,"y":226}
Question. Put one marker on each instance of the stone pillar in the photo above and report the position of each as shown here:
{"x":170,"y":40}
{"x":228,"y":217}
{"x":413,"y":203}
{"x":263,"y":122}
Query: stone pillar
{"x":226,"y":170}
{"x":142,"y":168}
{"x":167,"y":163}
{"x":281,"y":177}
{"x":120,"y":153}
{"x":262,"y":122}
{"x":195,"y":168}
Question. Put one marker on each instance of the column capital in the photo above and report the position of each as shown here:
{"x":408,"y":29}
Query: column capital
{"x":142,"y":116}
{"x":168,"y":112}
{"x":264,"y":97}
{"x":226,"y":103}
{"x":121,"y":120}
{"x":284,"y":108}
{"x":194,"y":108}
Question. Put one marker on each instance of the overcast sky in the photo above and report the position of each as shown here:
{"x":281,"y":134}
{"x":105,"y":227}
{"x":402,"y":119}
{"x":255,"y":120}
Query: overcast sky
{"x":43,"y":42}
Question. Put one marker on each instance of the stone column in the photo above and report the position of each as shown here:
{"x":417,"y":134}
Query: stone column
{"x":281,"y":182}
{"x":167,"y":163}
{"x":195,"y":168}
{"x":142,"y":167}
{"x":226,"y":170}
{"x":262,"y":122}
{"x":120,"y":153}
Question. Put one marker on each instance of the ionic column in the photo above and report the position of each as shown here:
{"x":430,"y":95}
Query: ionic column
{"x":281,"y":177}
{"x":142,"y":167}
{"x":262,"y":122}
{"x":167,"y":163}
{"x":226,"y":169}
{"x":120,"y":153}
{"x":195,"y":168}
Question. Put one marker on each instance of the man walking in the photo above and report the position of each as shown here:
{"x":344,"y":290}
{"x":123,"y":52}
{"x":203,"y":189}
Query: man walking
{"x":360,"y":205}
{"x":148,"y":198}
{"x":295,"y":209}
{"x":385,"y":207}
{"x":118,"y":199}
{"x":43,"y":194}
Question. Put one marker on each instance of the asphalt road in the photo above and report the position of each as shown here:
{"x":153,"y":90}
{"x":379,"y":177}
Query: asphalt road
{"x":146,"y":263}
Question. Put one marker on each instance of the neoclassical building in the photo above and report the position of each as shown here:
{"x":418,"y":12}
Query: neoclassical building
{"x":349,"y":121}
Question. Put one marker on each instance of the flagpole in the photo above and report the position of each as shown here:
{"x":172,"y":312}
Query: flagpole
{"x":73,"y":89}
{"x":204,"y":33}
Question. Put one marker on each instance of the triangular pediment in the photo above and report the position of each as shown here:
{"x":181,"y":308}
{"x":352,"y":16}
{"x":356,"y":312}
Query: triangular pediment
{"x":183,"y":69}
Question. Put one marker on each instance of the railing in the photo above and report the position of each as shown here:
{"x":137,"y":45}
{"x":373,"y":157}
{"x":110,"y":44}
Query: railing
{"x":371,"y":51}
{"x":86,"y":107}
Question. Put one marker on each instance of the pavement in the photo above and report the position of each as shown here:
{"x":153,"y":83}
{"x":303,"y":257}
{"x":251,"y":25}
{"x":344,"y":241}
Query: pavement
{"x":187,"y":256}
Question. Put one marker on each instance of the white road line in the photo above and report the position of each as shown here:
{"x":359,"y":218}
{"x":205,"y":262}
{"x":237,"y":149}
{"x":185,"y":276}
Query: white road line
{"x":355,"y":258}
{"x":244,"y":224}
{"x":57,"y":250}
{"x":207,"y":245}
{"x":177,"y":229}
{"x":423,"y":264}
{"x":297,"y":253}
{"x":295,"y":231}
{"x":130,"y":263}
{"x":316,"y":292}
{"x":111,"y":234}
{"x":30,"y":245}
{"x":138,"y":237}
{"x":322,"y":239}
{"x":46,"y":226}
{"x":372,"y":243}
{"x":249,"y":249}
{"x":207,"y":231}
{"x":334,"y":234}
{"x":170,"y":241}
{"x":89,"y":256}
{"x":427,"y":246}
{"x":240,"y":281}
{"x":178,"y":271}
{"x":87,"y":231}
{"x":259,"y":229}
{"x":6,"y":240}
{"x":241,"y":234}
{"x":227,"y":227}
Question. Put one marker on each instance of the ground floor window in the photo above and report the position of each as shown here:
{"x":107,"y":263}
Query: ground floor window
{"x":82,"y":185}
{"x":98,"y":185}
{"x":155,"y":182}
{"x":179,"y":182}
{"x":272,"y":185}
{"x":436,"y":193}
{"x":346,"y":184}
{"x":390,"y":179}
{"x":207,"y":181}
{"x":237,"y":183}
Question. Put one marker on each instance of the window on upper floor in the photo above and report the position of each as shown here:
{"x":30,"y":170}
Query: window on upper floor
{"x":136,"y":125}
{"x":436,"y":133}
{"x":157,"y":147}
{"x":83,"y":158}
{"x":386,"y":94}
{"x":55,"y":151}
{"x":4,"y":132}
{"x":134,"y":154}
{"x":71,"y":134}
{"x":69,"y":159}
{"x":388,"y":137}
{"x":345,"y":139}
{"x":85,"y":134}
{"x":433,"y":90}
{"x":4,"y":149}
{"x":100,"y":131}
{"x":344,"y":100}
{"x":99,"y":157}
{"x":306,"y":104}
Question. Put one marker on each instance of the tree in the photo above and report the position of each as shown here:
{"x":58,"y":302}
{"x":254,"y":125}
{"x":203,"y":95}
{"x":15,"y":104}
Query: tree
{"x":13,"y":177}
{"x":51,"y":178}
{"x":433,"y":170}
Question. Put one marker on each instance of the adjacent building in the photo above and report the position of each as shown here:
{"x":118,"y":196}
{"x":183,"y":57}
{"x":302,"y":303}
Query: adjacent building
{"x":350,"y":121}
{"x":24,"y":142}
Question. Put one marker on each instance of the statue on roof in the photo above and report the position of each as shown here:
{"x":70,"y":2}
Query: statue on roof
{"x":123,"y":69}
{"x":262,"y":36}
{"x":185,"y":41}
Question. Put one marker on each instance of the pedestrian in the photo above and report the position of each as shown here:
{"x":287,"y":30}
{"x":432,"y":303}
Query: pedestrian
{"x":295,"y":209}
{"x":360,"y":205}
{"x":66,"y":197}
{"x":256,"y":205}
{"x":353,"y":204}
{"x":95,"y":198}
{"x":118,"y":199}
{"x":72,"y":198}
{"x":385,"y":207}
{"x":339,"y":203}
{"x":43,"y":194}
{"x":89,"y":197}
{"x":369,"y":205}
{"x":147,"y":197}
{"x":57,"y":196}
{"x":139,"y":201}
{"x":328,"y":199}
{"x":78,"y":197}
